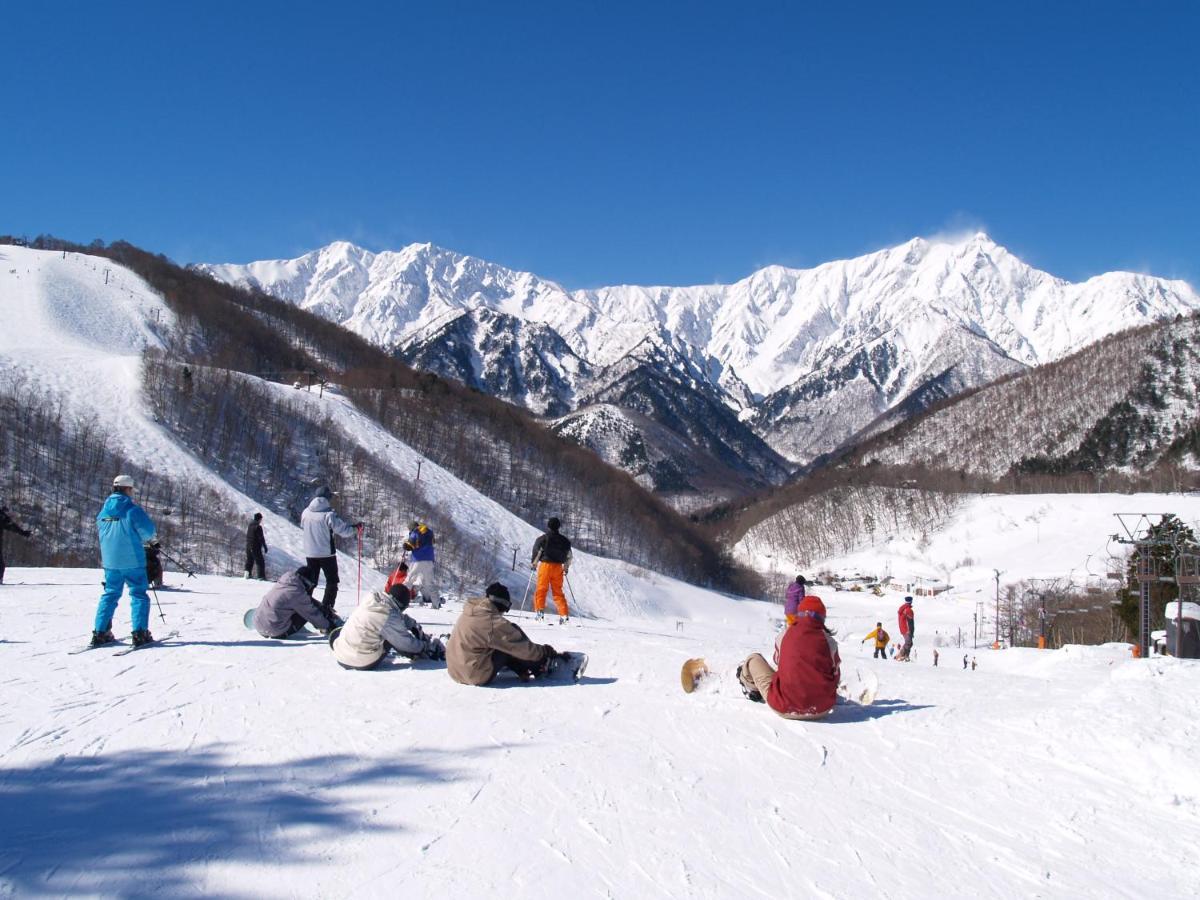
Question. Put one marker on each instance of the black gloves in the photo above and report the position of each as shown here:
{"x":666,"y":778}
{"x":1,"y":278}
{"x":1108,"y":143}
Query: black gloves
{"x":25,"y":532}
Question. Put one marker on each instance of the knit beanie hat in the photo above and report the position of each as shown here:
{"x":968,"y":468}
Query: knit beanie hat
{"x":811,"y":606}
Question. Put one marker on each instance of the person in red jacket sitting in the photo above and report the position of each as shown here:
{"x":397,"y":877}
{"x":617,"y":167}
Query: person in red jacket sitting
{"x":805,"y":685}
{"x":907,"y":627}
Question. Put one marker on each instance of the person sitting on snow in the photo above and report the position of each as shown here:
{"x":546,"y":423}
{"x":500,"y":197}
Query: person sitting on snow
{"x":795,"y":594}
{"x":805,"y":684}
{"x":289,"y":604}
{"x":484,"y":642}
{"x":379,"y":624}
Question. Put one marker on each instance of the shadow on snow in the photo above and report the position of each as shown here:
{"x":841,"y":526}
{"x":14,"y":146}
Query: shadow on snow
{"x":145,"y":822}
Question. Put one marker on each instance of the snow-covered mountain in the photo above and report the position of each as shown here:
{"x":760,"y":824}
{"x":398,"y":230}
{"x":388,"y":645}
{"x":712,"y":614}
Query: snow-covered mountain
{"x":805,"y":357}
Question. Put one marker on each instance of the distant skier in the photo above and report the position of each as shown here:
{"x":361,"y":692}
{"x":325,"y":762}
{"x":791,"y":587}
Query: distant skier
{"x":964,"y":662}
{"x":805,"y":684}
{"x":154,"y":567}
{"x":379,"y":624}
{"x":7,"y":524}
{"x":320,"y":525}
{"x":881,"y":639}
{"x":124,"y":529}
{"x":256,"y":547}
{"x":289,"y":604}
{"x":907,"y":627}
{"x":796,"y":591}
{"x":552,"y":559}
{"x":935,"y":657}
{"x":420,"y":573}
{"x":484,"y":643}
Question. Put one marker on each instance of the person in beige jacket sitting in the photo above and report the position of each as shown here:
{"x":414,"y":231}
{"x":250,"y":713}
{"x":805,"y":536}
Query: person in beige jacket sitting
{"x":484,"y":642}
{"x":380,"y":624}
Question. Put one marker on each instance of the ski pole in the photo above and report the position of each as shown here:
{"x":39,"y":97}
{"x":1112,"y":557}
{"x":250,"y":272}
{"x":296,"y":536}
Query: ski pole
{"x":532,"y":569}
{"x":571,"y":589}
{"x":159,"y":602}
{"x":169,"y":558}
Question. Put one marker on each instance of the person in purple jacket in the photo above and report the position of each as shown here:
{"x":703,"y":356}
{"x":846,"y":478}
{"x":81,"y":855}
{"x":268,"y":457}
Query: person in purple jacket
{"x":795,"y":596}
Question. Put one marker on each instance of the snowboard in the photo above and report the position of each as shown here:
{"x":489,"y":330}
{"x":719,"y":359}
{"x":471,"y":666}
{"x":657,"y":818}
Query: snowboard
{"x":569,"y":665}
{"x":858,"y":686}
{"x":693,"y":672}
{"x":248,"y":621}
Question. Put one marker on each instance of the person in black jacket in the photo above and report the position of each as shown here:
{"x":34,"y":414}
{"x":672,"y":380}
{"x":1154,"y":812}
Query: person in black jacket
{"x":7,"y":524}
{"x":552,"y":559}
{"x":256,"y":546}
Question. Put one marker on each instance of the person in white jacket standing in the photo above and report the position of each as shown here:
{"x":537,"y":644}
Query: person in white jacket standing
{"x":377,"y":624}
{"x":320,"y":525}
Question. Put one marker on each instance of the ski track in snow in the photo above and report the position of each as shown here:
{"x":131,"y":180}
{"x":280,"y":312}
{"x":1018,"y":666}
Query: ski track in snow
{"x":226,"y":764}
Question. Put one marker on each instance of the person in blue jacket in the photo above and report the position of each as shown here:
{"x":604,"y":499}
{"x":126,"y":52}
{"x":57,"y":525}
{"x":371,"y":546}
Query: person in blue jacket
{"x":124,"y":527}
{"x":420,"y":568}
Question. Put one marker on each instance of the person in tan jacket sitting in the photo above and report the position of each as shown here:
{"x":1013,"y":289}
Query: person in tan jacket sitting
{"x":484,"y":643}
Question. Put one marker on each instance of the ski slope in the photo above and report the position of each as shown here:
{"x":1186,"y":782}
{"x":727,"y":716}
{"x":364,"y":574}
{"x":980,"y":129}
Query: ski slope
{"x":227,"y":765}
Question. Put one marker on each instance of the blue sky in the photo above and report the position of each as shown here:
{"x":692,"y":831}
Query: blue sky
{"x":599,"y":143}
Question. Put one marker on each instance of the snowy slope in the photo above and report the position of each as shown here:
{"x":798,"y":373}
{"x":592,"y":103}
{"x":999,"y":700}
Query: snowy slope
{"x":230,"y":766}
{"x":79,"y":340}
{"x":1026,"y":536}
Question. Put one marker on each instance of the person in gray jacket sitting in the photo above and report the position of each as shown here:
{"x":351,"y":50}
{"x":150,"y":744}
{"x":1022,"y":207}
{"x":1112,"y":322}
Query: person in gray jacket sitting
{"x":378,"y":624}
{"x":289,"y":605}
{"x":320,"y":525}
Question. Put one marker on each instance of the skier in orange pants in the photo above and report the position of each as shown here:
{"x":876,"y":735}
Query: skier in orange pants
{"x":552,"y":557}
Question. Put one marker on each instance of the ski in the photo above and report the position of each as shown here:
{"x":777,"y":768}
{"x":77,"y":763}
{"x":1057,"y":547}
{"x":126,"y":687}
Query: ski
{"x":86,"y":647}
{"x":152,"y":643}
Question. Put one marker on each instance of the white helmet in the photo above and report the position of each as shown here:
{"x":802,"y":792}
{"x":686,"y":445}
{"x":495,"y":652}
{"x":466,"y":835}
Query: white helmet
{"x":122,"y":481}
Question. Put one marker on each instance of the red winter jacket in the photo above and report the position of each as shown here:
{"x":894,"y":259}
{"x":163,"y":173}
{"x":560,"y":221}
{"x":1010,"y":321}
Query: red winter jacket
{"x":399,"y":576}
{"x":809,"y":670}
{"x":905,"y":615}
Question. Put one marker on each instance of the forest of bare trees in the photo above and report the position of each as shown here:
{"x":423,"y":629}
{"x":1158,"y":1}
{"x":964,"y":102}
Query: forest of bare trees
{"x":495,"y":447}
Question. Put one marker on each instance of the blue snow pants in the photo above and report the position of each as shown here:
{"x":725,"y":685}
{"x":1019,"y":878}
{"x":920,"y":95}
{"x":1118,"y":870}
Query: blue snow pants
{"x":139,"y":601}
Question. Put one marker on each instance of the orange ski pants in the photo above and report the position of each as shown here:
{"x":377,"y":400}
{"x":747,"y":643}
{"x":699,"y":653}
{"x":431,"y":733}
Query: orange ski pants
{"x":550,"y":577}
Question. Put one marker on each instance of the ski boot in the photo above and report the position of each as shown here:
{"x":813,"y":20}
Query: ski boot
{"x":564,"y":620}
{"x":100,"y":638}
{"x":751,"y":694}
{"x":539,"y":616}
{"x":141,"y":636}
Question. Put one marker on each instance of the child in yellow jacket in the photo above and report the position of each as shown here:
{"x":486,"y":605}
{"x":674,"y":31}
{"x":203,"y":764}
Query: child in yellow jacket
{"x":881,"y":641}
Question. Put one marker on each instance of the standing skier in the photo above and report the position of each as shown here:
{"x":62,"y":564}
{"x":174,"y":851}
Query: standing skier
{"x":552,"y":559}
{"x":805,"y":685}
{"x":256,"y":546}
{"x":420,"y":573}
{"x":320,"y":525}
{"x":795,"y":594}
{"x":881,"y":641}
{"x":907,"y":627}
{"x":484,"y":642}
{"x":7,"y":524}
{"x":123,"y":527}
{"x":379,"y":624}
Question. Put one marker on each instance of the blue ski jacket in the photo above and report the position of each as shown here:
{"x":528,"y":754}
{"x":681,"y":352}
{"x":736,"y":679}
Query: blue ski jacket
{"x":420,"y":543}
{"x":123,"y":527}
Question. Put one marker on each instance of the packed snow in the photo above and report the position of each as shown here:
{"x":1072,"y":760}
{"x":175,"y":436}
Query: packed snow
{"x":223,"y":764}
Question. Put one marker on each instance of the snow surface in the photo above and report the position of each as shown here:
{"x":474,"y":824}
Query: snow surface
{"x":228,"y":765}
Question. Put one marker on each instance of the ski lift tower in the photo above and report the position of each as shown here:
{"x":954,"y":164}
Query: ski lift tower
{"x":1138,"y":531}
